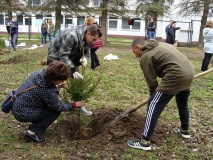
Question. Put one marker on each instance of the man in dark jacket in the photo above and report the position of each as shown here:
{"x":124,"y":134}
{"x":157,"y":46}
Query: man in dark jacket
{"x":72,"y":46}
{"x":12,"y":29}
{"x":151,"y":29}
{"x":171,"y":31}
{"x":176,"y":72}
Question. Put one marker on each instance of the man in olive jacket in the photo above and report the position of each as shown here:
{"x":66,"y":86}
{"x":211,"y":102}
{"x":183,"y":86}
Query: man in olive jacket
{"x":176,"y":72}
{"x":72,"y":46}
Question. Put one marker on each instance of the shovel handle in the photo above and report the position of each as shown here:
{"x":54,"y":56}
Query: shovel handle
{"x":203,"y":73}
{"x":146,"y":101}
{"x":137,"y":106}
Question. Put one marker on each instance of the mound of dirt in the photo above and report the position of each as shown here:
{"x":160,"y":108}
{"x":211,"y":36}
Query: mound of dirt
{"x":100,"y":133}
{"x":100,"y":130}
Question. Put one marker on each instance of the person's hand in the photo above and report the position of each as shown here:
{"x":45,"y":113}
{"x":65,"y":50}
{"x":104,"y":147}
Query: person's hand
{"x":77,"y":104}
{"x":77,"y":75}
{"x":83,"y":61}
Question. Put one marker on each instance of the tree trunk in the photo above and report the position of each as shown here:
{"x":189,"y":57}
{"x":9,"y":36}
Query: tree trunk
{"x":104,"y":21}
{"x":58,"y":15}
{"x":9,"y":6}
{"x":203,"y":22}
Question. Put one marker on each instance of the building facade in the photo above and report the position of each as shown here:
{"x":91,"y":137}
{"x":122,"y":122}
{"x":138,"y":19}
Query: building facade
{"x":117,"y":26}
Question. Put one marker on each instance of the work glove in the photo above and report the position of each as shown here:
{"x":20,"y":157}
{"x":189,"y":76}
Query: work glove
{"x":75,"y":74}
{"x":85,"y":111}
{"x":77,"y":104}
{"x":83,"y":61}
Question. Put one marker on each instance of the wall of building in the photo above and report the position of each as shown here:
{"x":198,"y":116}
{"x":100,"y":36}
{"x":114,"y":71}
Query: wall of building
{"x":117,"y":27}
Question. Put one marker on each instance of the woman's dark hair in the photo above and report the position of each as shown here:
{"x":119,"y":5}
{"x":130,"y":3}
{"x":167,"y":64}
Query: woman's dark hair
{"x":95,"y":29}
{"x":57,"y":70}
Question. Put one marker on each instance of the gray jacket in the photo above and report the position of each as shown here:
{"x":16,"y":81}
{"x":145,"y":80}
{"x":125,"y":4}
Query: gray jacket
{"x":68,"y":46}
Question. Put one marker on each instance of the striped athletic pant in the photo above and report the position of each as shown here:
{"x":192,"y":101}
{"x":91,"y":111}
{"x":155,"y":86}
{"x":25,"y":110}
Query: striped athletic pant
{"x":157,"y":103}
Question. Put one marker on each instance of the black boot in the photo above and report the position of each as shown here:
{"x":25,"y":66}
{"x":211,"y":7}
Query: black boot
{"x":30,"y":136}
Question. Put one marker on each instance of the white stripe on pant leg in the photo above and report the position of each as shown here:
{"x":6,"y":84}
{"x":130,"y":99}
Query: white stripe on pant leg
{"x":151,"y":108}
{"x":150,"y":112}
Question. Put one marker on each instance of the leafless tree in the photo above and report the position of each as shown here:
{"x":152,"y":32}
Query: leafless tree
{"x":196,"y":7}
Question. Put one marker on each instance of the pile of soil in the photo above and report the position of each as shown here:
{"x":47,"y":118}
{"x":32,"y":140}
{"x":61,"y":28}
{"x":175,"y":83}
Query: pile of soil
{"x":100,"y":133}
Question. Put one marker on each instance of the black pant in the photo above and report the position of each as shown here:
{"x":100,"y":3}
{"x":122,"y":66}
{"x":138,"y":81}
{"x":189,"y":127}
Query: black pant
{"x":157,"y":103}
{"x":46,"y":118}
{"x":206,"y":61}
{"x":94,"y":58}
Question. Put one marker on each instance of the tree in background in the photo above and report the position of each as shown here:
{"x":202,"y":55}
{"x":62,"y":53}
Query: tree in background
{"x":10,"y":6}
{"x":153,"y":8}
{"x":196,"y":7}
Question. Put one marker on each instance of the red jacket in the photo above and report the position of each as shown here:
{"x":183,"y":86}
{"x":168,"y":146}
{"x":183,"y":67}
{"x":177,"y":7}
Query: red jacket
{"x":98,"y":43}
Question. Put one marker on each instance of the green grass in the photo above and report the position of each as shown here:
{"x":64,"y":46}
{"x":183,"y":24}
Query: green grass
{"x":122,"y":86}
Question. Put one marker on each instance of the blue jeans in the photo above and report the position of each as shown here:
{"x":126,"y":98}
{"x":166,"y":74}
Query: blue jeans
{"x":50,"y":38}
{"x":151,"y":34}
{"x":206,"y":61}
{"x":43,"y":38}
{"x":14,"y":38}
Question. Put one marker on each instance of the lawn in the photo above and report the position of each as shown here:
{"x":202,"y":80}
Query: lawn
{"x":121,"y":87}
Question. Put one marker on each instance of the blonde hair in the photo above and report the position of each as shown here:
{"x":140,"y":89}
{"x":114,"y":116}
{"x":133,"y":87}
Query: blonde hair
{"x":90,"y":20}
{"x":49,"y":21}
{"x":209,"y":24}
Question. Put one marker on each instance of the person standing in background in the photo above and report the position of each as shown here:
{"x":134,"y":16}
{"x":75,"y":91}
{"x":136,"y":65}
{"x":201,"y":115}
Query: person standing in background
{"x":44,"y":28}
{"x":151,"y":29}
{"x":12,"y":29}
{"x":168,"y":26}
{"x":98,"y":43}
{"x":208,"y":45}
{"x":51,"y":29}
{"x":170,"y":38}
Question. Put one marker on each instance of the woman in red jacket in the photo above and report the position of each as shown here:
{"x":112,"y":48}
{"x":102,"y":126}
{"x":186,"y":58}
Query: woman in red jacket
{"x":98,"y":43}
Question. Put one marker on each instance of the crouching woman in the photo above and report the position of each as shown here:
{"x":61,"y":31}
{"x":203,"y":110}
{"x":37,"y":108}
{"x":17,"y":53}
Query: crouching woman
{"x":41,"y":105}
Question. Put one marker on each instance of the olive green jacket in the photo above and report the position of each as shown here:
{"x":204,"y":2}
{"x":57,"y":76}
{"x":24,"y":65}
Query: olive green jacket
{"x":166,"y":62}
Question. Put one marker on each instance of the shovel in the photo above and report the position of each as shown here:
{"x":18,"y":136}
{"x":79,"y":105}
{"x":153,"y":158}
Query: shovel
{"x":128,"y":112}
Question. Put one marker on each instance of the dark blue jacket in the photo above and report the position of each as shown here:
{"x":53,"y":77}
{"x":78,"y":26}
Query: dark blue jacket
{"x":28,"y":106}
{"x":43,"y":30}
{"x":14,"y":27}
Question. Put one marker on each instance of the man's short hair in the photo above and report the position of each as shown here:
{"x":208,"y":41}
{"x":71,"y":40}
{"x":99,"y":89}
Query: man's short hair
{"x":137,"y":41}
{"x":95,"y":29}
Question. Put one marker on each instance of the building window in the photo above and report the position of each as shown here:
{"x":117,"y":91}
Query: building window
{"x":125,"y":24}
{"x":137,"y":24}
{"x":113,"y":23}
{"x":27,"y":20}
{"x":68,"y":21}
{"x":1,"y":19}
{"x":20,"y":19}
{"x":80,"y":20}
{"x":39,"y":19}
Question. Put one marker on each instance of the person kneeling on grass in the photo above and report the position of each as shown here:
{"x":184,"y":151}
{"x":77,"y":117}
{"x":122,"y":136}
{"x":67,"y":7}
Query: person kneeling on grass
{"x":176,"y":72}
{"x":41,"y":105}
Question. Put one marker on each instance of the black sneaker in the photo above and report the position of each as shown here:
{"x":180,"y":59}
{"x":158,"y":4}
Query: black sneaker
{"x":184,"y":133}
{"x":139,"y":144}
{"x":30,"y":136}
